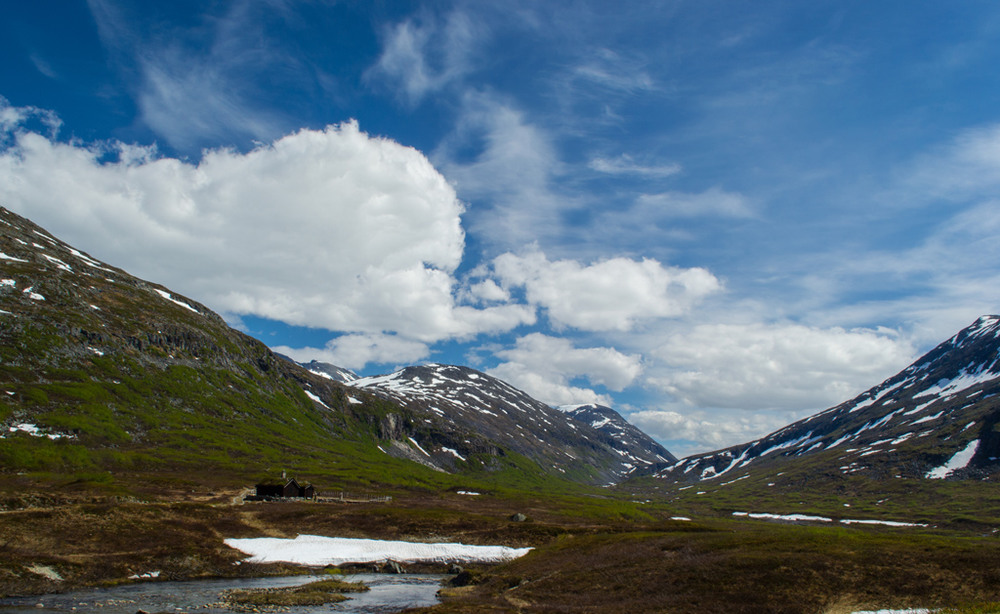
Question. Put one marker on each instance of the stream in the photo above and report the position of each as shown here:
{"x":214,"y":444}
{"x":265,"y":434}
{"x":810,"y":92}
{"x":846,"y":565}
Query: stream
{"x":389,"y":593}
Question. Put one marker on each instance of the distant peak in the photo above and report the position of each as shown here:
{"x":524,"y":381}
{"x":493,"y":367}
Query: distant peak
{"x":987,"y":320}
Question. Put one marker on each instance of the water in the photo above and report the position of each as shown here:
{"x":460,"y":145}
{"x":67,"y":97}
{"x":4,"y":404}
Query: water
{"x":389,"y":593}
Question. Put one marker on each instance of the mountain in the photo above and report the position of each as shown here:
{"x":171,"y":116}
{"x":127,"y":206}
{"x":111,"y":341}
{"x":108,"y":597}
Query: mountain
{"x":938,"y":418}
{"x":448,"y":396}
{"x":103,"y":374}
{"x":111,"y":382}
{"x":637,"y":447}
{"x":325,"y":369}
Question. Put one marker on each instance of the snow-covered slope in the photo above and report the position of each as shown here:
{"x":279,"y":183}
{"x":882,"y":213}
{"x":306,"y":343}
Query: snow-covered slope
{"x":471,"y":400}
{"x":935,"y":419}
{"x":640,"y":449}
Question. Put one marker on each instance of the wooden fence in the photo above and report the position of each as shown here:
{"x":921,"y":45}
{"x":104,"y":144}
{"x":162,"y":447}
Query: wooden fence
{"x":349,"y":497}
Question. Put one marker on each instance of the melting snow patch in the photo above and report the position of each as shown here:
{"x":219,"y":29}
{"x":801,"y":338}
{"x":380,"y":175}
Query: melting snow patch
{"x":414,"y":442}
{"x":927,"y":418}
{"x":965,"y":379}
{"x":453,"y":453}
{"x":33,"y":295}
{"x":959,"y":461}
{"x":59,"y":263}
{"x":785,"y":517}
{"x":88,"y":261}
{"x":742,"y":477}
{"x":840,"y":441}
{"x":887,"y":523}
{"x":805,"y":518}
{"x":862,"y":405}
{"x":910,"y":611}
{"x":34,"y":431}
{"x":803,"y":441}
{"x":919,"y":407}
{"x":8,"y":282}
{"x":170,"y":298}
{"x":4,"y":256}
{"x":146,"y":576}
{"x":353,"y":401}
{"x":316,"y":550}
{"x":316,"y":398}
{"x":470,"y":493}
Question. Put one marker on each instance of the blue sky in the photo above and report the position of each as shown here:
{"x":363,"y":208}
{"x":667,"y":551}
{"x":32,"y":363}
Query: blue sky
{"x":716,"y":217}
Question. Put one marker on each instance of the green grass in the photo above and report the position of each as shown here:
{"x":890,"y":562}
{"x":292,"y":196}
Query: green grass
{"x":741,"y":568}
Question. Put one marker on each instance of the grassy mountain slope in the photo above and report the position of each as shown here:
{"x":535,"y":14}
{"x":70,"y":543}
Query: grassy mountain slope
{"x":921,"y":446}
{"x":114,"y":383}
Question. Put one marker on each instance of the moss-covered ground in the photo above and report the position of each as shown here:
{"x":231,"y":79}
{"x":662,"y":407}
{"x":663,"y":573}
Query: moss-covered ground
{"x":591,"y":554}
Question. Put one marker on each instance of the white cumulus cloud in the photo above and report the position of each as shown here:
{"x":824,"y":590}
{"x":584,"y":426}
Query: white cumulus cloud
{"x":329,"y":228}
{"x":355,"y":351}
{"x":774,"y":366}
{"x":545,"y":366}
{"x":695,"y":432}
{"x":424,"y":56}
{"x":613,"y":294}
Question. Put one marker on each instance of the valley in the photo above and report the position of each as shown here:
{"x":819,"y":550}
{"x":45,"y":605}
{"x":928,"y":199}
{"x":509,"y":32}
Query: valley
{"x":133,"y":420}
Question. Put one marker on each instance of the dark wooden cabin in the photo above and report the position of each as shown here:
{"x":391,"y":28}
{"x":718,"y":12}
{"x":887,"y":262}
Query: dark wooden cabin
{"x":285,"y":489}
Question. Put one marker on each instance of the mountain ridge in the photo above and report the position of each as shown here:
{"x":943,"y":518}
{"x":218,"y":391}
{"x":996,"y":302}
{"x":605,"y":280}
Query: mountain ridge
{"x":104,"y":373}
{"x":494,"y":408}
{"x":936,"y":418}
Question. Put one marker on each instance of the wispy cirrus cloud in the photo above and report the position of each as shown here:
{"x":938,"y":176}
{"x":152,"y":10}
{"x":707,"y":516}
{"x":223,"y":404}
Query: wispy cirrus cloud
{"x":508,"y":173}
{"x":611,"y":71}
{"x":967,"y":167}
{"x":711,"y":202}
{"x":422,"y":55}
{"x":624,"y":164}
{"x":205,"y":84}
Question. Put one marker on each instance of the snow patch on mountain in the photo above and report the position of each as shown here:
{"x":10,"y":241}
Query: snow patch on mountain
{"x":170,"y":298}
{"x":959,"y":461}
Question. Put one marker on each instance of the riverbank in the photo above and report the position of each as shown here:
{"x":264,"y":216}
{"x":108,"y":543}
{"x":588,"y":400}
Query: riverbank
{"x":64,"y":546}
{"x":387,"y":593}
{"x":592,"y":556}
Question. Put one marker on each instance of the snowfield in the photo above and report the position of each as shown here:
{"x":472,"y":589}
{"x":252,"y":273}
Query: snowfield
{"x":317,"y":550}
